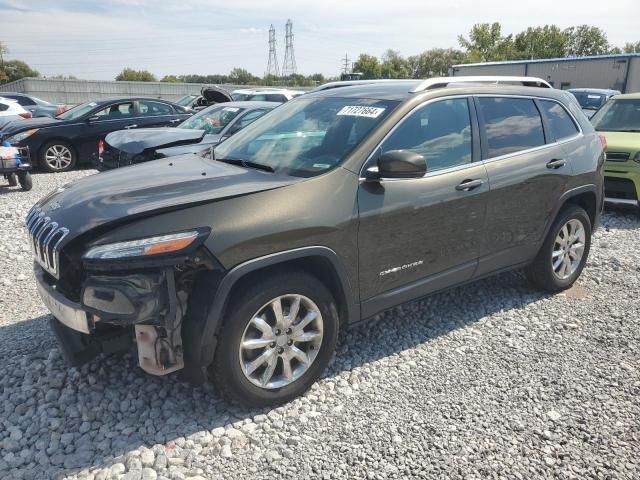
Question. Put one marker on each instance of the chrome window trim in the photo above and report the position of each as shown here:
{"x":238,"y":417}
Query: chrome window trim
{"x":482,"y":161}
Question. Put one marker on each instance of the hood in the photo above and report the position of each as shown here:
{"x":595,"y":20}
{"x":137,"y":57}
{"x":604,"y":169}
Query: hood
{"x":161,"y":185}
{"x":622,"y":141}
{"x":216,"y":95}
{"x":28,"y":124}
{"x":135,"y":142}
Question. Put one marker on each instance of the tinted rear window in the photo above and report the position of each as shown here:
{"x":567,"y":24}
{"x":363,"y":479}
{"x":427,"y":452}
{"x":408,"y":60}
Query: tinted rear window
{"x":560,"y":122}
{"x":511,"y":125}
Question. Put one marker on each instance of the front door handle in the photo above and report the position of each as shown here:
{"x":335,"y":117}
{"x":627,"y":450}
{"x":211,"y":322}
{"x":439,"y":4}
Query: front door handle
{"x":468,"y":185}
{"x":175,"y":120}
{"x":556,"y":163}
{"x":131,"y":126}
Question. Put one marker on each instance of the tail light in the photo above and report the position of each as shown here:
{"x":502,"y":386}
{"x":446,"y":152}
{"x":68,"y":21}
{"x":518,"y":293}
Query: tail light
{"x":25,"y":115}
{"x":100,"y":148}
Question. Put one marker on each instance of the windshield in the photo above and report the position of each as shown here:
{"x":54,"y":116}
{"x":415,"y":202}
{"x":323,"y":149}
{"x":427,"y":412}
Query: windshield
{"x":590,"y":101}
{"x":213,"y":119}
{"x":186,"y":100}
{"x":240,"y":97}
{"x":307,"y":137}
{"x":77,"y":111}
{"x":618,"y":116}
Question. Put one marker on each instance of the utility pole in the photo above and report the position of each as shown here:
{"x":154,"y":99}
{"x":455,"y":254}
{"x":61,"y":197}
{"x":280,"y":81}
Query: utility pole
{"x":345,"y":64}
{"x":289,"y":64}
{"x":272,"y":64}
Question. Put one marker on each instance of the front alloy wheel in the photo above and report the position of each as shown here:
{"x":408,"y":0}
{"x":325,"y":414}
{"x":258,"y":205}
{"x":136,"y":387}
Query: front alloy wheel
{"x":57,"y":157}
{"x":277,"y":337}
{"x":281,"y":341}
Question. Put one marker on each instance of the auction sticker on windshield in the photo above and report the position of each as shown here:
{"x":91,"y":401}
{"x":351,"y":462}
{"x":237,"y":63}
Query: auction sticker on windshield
{"x":361,"y":111}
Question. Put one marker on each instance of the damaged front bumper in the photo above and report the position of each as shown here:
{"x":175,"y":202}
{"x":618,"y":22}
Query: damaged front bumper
{"x":110,"y":305}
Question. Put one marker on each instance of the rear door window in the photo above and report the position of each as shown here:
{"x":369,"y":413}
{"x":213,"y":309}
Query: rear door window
{"x":510,"y":125}
{"x":116,"y":111}
{"x":559,"y":121}
{"x":154,"y":109}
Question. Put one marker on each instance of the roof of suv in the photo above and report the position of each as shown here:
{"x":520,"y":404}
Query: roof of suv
{"x":404,"y":89}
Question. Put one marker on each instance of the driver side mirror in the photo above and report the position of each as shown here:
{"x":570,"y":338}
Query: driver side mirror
{"x":398,"y":164}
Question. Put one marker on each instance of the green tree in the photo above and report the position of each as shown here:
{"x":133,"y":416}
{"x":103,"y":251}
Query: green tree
{"x":585,"y":40}
{"x":241,"y":77}
{"x":394,"y":65}
{"x":170,"y":79}
{"x":631,"y":47}
{"x":129,"y":74}
{"x":541,"y":42}
{"x":434,"y":62}
{"x":368,"y":65}
{"x":486,"y":43}
{"x":15,"y":70}
{"x":63,"y":77}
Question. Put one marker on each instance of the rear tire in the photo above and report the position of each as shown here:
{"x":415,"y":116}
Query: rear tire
{"x":564,"y":252}
{"x":289,"y":362}
{"x":12,"y":179}
{"x":57,"y":156}
{"x":25,"y":181}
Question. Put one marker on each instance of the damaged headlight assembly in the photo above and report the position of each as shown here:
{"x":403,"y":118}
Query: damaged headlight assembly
{"x":145,"y":247}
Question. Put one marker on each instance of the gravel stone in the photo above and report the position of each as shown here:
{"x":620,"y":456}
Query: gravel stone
{"x":490,"y":380}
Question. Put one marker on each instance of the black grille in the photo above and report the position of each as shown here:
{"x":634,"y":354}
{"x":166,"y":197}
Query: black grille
{"x":620,"y":188}
{"x":618,"y":156}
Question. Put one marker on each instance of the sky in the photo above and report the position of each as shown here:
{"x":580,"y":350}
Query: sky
{"x":97,"y":39}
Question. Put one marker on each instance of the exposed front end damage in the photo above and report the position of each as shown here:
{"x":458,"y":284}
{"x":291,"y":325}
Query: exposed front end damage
{"x":117,"y":308}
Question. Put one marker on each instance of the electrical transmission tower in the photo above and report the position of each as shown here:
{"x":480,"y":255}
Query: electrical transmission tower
{"x":272,"y":66}
{"x":289,"y":64}
{"x":345,"y":64}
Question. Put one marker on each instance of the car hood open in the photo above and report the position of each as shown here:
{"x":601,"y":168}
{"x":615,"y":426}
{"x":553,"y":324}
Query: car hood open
{"x":124,"y":194}
{"x":137,"y":141}
{"x":214,"y":94}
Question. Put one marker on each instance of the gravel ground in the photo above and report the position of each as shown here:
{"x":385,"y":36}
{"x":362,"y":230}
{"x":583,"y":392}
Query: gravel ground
{"x":491,"y":380}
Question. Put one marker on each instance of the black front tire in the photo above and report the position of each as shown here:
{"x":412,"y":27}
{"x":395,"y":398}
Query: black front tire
{"x":25,"y":181}
{"x":12,"y":179}
{"x":541,"y":273}
{"x":226,"y":371}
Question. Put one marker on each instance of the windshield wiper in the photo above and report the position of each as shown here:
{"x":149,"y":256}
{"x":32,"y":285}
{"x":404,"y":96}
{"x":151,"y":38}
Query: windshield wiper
{"x":246,"y":164}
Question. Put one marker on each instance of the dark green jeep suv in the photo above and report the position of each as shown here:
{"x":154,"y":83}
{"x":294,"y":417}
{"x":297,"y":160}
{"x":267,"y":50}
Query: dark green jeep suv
{"x":242,"y":265}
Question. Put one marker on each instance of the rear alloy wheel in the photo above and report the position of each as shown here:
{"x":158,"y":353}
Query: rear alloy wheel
{"x":57,"y":157}
{"x":564,"y":252}
{"x":277,"y":338}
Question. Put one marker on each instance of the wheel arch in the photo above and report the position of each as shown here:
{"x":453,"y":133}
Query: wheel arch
{"x":321,"y":262}
{"x":586,"y":197}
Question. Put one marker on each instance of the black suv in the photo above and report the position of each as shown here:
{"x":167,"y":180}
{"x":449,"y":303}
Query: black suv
{"x":243,"y":265}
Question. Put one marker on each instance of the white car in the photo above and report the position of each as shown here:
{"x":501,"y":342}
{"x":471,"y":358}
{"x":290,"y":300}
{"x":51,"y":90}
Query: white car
{"x":280,"y":95}
{"x":11,"y":110}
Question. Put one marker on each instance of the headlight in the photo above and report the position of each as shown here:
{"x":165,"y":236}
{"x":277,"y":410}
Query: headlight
{"x":18,"y":137}
{"x":144,"y":247}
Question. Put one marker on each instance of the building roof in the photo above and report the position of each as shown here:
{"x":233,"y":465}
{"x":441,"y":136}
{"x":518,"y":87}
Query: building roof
{"x":550,"y":60}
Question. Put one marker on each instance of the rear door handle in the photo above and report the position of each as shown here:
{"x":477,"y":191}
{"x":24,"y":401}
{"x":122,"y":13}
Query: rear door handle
{"x":468,"y":185}
{"x":556,"y":163}
{"x":131,"y":126}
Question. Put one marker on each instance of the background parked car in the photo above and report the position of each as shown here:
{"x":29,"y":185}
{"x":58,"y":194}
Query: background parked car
{"x":57,"y":144}
{"x":37,"y":107}
{"x":188,"y":101}
{"x":619,"y":121}
{"x":11,"y":110}
{"x":210,"y":96}
{"x":208,"y":127}
{"x":591,"y":99}
{"x":266,"y":94}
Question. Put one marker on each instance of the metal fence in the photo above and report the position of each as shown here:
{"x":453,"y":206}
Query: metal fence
{"x":72,"y":92}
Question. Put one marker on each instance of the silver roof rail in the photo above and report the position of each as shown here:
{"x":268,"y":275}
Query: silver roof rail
{"x":442,"y":82}
{"x":353,"y":83}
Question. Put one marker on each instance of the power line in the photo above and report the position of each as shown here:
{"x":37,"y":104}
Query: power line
{"x":289,"y":64}
{"x":272,"y":64}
